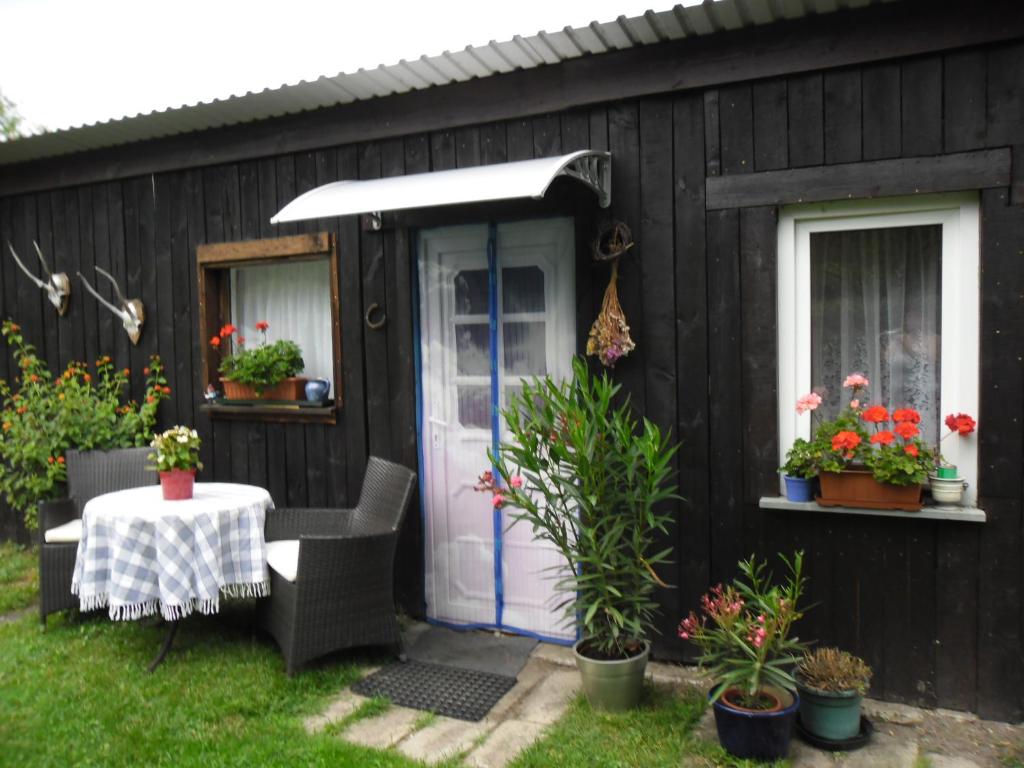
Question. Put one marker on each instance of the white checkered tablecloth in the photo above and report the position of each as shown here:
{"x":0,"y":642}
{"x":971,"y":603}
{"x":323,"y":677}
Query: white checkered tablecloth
{"x":140,"y":554}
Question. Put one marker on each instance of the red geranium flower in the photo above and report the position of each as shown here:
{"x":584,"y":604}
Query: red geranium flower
{"x":911,"y":450}
{"x":907,"y":414}
{"x":845,"y":440}
{"x":907,"y":430}
{"x":227,"y":330}
{"x":961,"y":423}
{"x":885,"y":437}
{"x":262,"y":325}
{"x":215,"y":342}
{"x":876,"y":414}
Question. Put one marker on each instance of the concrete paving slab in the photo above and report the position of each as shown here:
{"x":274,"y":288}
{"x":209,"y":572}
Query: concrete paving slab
{"x":888,"y":712}
{"x":555,"y":654}
{"x":385,"y":730}
{"x":945,"y":761}
{"x":504,"y":743}
{"x":549,"y":698}
{"x":883,"y":751}
{"x":339,"y":708}
{"x":528,"y":678}
{"x":443,"y":739}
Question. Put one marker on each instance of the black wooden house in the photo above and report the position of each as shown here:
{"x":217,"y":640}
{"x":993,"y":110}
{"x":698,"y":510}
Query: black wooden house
{"x":734,"y":129}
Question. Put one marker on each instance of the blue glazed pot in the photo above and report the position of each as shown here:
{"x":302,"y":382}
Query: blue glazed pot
{"x":317,"y":389}
{"x":755,"y":735}
{"x":797,"y":488}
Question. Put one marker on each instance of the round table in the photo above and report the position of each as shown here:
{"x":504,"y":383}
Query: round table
{"x":140,"y":554}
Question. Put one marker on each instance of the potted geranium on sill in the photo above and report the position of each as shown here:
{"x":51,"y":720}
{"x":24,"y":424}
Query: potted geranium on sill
{"x":266,"y":372}
{"x":176,"y":457}
{"x":946,"y":485}
{"x":832,"y":684}
{"x":592,"y":482}
{"x":744,"y":638}
{"x":867,"y":457}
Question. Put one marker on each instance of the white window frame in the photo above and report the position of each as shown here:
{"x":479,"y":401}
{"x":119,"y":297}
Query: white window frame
{"x":958,"y":215}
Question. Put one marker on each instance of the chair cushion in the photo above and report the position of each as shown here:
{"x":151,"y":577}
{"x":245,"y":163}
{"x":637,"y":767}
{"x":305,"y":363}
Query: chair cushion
{"x":69,"y":533}
{"x":283,"y":557}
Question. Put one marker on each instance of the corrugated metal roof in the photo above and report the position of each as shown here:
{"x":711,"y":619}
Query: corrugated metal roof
{"x":473,"y":61}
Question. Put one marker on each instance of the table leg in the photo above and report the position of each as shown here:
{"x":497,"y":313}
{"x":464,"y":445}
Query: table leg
{"x":165,"y":647}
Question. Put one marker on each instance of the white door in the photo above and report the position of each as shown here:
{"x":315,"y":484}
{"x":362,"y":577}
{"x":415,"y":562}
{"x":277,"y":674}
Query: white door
{"x":530,"y":276}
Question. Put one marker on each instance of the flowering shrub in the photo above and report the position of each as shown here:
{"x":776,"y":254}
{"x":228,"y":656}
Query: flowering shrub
{"x":43,"y":416}
{"x":176,"y":448}
{"x":592,"y":482}
{"x":260,"y":367}
{"x":743,"y":630}
{"x":868,"y":436}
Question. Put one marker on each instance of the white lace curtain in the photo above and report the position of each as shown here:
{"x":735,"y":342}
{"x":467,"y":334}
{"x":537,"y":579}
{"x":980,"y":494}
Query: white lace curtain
{"x":295,"y":298}
{"x":875,"y":308}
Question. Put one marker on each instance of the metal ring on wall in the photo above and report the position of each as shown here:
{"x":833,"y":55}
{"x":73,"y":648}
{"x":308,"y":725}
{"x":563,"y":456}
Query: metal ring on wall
{"x":375,"y":324}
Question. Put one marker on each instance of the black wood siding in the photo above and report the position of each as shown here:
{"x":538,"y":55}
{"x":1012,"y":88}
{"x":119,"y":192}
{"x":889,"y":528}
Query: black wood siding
{"x":934,"y":607}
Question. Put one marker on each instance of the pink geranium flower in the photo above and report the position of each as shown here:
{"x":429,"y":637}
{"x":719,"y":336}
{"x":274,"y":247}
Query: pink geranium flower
{"x":808,"y":402}
{"x":856,"y":381}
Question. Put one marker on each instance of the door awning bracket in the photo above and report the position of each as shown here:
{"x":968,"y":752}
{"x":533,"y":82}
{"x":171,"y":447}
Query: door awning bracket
{"x":483,"y":183}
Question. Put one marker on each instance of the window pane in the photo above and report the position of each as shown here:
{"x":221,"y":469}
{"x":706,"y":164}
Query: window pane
{"x":472,"y":349}
{"x":471,"y":292}
{"x":875,"y":308}
{"x":525,"y":348}
{"x":522,"y":289}
{"x":475,"y":406}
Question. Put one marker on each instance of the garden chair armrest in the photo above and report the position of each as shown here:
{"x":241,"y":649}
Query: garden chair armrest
{"x":56,"y":512}
{"x":293,"y":523}
{"x":347,"y":563}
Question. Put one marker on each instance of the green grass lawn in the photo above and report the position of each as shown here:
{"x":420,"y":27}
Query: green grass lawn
{"x":79,"y":694}
{"x":19,"y":577}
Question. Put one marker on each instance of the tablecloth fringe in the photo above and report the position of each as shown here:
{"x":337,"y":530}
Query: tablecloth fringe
{"x":135,"y":611}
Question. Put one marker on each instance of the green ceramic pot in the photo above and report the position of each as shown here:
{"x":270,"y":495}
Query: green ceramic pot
{"x":613,"y":686}
{"x":832,"y":715}
{"x":946,"y":472}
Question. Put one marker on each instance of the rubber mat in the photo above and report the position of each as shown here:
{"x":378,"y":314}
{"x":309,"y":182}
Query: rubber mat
{"x":465,"y":694}
{"x":482,"y":651}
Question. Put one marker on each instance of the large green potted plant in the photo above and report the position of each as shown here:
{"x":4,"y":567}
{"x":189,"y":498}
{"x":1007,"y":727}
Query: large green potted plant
{"x":744,"y":637}
{"x":592,"y":481}
{"x":266,"y":371}
{"x":831,"y":684}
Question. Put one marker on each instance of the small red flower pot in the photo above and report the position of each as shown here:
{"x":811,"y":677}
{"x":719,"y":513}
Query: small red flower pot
{"x":177,"y":484}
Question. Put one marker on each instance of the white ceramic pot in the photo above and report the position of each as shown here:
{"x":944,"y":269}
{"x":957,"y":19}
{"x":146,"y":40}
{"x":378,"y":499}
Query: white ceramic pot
{"x":946,"y":491}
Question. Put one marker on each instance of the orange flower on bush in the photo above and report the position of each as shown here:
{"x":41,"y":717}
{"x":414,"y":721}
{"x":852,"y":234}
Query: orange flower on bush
{"x":262,"y":325}
{"x":911,"y":450}
{"x":884,"y":437}
{"x":845,"y":441}
{"x":227,"y":330}
{"x":907,"y":430}
{"x":906,"y":414}
{"x":60,"y":459}
{"x":215,"y":342}
{"x":875,"y":414}
{"x":961,"y":423}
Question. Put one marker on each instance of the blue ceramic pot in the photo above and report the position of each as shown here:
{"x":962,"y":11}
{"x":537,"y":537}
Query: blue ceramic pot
{"x":317,"y":389}
{"x":797,"y":488}
{"x":754,"y":734}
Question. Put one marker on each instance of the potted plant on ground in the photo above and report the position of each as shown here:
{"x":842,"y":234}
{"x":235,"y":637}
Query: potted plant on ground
{"x":266,"y":372}
{"x":594,"y":483}
{"x":743,"y":634}
{"x":870,"y":458}
{"x":831,"y":683}
{"x":176,"y":457}
{"x":946,"y":485}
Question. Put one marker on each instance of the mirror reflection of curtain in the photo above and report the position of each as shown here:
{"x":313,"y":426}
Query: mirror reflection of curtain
{"x":295,"y":298}
{"x":875,"y":308}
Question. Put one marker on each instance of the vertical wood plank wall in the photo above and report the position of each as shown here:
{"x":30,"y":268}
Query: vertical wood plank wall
{"x":934,"y":607}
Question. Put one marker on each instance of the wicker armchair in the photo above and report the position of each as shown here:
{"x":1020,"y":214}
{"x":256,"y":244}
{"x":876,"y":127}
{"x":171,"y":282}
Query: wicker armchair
{"x":90,"y":474}
{"x":331,"y":570}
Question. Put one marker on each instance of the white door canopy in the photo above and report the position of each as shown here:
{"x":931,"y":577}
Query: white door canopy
{"x":483,"y":183}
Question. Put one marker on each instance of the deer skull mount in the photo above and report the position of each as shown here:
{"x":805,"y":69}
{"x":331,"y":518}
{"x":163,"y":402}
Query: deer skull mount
{"x":57,"y":286}
{"x":131,"y":311}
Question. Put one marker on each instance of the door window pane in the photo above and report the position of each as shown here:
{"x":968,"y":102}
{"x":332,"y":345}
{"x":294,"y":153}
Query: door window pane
{"x":522,"y":289}
{"x":525,"y":348}
{"x":472,"y":349}
{"x":475,"y":406}
{"x":875,"y":308}
{"x":471,"y":294}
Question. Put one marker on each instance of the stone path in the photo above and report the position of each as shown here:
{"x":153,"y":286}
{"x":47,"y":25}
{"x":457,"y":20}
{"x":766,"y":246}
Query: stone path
{"x":905,"y":737}
{"x":7,"y":618}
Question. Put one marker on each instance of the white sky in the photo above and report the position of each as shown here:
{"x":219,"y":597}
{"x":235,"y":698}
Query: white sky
{"x":68,"y":62}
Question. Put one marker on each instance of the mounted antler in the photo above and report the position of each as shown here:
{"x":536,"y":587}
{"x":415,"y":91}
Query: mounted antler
{"x":57,"y":286}
{"x":131,"y":311}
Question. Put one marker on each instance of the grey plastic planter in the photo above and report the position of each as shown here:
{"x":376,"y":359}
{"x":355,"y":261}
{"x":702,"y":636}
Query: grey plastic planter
{"x":613,"y":686}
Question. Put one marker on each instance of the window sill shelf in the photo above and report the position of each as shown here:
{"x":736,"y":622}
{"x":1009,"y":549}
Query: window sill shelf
{"x":287,"y":413}
{"x":959,"y":514}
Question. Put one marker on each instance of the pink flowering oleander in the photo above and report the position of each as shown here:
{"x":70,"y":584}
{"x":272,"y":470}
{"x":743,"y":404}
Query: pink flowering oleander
{"x":516,"y":481}
{"x":808,"y":402}
{"x":856,"y":381}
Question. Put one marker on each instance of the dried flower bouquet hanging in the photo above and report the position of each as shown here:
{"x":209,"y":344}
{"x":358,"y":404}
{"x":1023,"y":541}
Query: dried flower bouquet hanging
{"x":609,"y":335}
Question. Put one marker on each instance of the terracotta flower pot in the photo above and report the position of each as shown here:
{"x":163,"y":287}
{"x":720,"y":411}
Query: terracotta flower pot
{"x":177,"y":484}
{"x":293,"y":388}
{"x":858,"y":488}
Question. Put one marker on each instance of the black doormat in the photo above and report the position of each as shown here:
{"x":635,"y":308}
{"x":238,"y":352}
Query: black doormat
{"x":465,"y":694}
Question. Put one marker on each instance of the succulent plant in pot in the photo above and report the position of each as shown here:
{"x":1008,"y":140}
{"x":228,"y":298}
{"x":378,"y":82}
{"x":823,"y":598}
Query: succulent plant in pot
{"x":832,"y":684}
{"x":593,"y":482}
